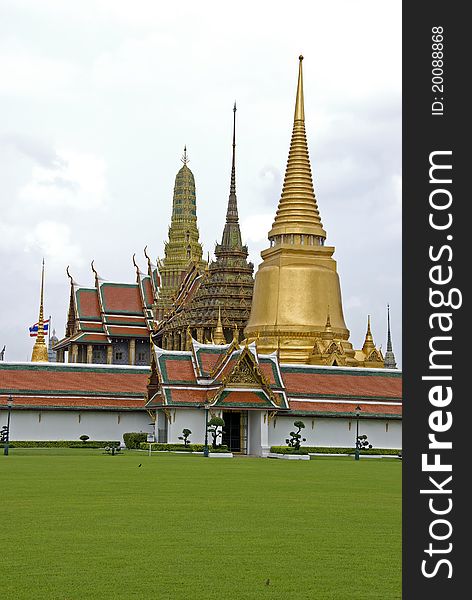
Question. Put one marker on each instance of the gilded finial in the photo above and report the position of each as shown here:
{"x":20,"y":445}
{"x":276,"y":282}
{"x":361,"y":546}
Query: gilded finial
{"x":300,"y":103}
{"x":236,"y":334}
{"x":369,"y":340}
{"x":219,"y":337}
{"x":40,"y":351}
{"x":328,"y":322}
{"x":328,"y":332}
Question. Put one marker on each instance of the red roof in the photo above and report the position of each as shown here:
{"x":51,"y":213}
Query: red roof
{"x":340,"y":383}
{"x":51,"y":379}
{"x":345,"y":407}
{"x":122,"y":298}
{"x":87,"y":303}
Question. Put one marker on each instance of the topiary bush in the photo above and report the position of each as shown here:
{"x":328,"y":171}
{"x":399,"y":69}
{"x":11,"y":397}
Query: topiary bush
{"x":184,"y":436}
{"x":214,"y":425}
{"x":134,"y":439}
{"x":296,"y":437}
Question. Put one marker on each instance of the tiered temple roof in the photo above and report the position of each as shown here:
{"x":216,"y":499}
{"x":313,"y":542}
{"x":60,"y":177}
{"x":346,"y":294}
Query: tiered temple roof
{"x":183,"y":248}
{"x":219,"y":296}
{"x":110,"y":310}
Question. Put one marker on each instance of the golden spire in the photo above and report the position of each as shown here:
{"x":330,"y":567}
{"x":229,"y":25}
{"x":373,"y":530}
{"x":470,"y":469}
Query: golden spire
{"x":369,"y":340}
{"x":297,"y":212}
{"x":236,"y":334}
{"x":328,"y":332}
{"x":219,"y":337}
{"x":40,"y":351}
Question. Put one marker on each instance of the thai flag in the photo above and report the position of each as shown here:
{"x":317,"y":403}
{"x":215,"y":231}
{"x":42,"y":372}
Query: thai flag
{"x":34,"y":330}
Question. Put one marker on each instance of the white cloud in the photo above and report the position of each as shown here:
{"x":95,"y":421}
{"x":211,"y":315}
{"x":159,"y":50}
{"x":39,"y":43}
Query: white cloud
{"x":78,"y":182}
{"x":256,"y":227}
{"x":27,"y":73}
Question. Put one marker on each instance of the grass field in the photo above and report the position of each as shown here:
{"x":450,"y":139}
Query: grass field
{"x":77,"y":524}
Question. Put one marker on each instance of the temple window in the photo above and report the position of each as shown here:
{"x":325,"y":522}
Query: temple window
{"x":118,"y":355}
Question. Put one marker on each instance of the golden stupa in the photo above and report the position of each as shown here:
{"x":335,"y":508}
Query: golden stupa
{"x":40,"y":351}
{"x":297,"y":292}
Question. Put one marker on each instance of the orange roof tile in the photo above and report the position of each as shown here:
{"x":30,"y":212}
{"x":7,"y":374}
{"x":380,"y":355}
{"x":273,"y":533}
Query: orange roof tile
{"x":121,"y":298}
{"x":179,"y":369}
{"x":346,"y":407}
{"x":342,"y":384}
{"x":98,"y":380}
{"x":87,"y":303}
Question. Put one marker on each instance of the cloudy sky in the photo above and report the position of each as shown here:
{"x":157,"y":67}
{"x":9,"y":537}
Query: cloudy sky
{"x":99,"y":97}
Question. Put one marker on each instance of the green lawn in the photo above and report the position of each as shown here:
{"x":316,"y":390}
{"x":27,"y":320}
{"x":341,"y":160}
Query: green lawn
{"x":77,"y":524}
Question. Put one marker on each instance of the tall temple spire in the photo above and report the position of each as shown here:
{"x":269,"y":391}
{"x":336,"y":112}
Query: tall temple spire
{"x":40,"y":351}
{"x":390,"y":362}
{"x":232,"y":233}
{"x":183,"y":247}
{"x":297,"y":277}
{"x":298,"y":212}
{"x":226,"y":283}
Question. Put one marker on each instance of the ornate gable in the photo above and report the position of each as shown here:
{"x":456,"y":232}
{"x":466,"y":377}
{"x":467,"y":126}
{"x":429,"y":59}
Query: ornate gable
{"x":245,"y":380}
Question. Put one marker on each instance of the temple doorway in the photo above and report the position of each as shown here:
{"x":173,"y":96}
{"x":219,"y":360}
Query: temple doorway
{"x":235,"y":430}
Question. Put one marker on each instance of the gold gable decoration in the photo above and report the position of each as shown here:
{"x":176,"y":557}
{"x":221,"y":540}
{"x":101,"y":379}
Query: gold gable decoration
{"x":246,"y":373}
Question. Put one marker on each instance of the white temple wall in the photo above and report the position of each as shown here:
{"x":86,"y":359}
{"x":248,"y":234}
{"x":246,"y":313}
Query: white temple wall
{"x":337,"y":432}
{"x":186,"y":418}
{"x":49,"y":425}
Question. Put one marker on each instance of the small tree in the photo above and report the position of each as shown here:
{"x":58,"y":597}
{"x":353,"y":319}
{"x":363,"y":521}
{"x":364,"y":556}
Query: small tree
{"x":84,"y":438}
{"x":213,"y":427}
{"x":363,"y":443}
{"x":296,"y":439}
{"x":184,"y":437}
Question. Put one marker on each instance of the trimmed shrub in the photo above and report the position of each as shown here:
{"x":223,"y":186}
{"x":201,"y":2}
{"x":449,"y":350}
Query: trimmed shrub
{"x":184,"y":437}
{"x":158,"y":447}
{"x":60,"y":444}
{"x":134,"y":439}
{"x":325,"y":450}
